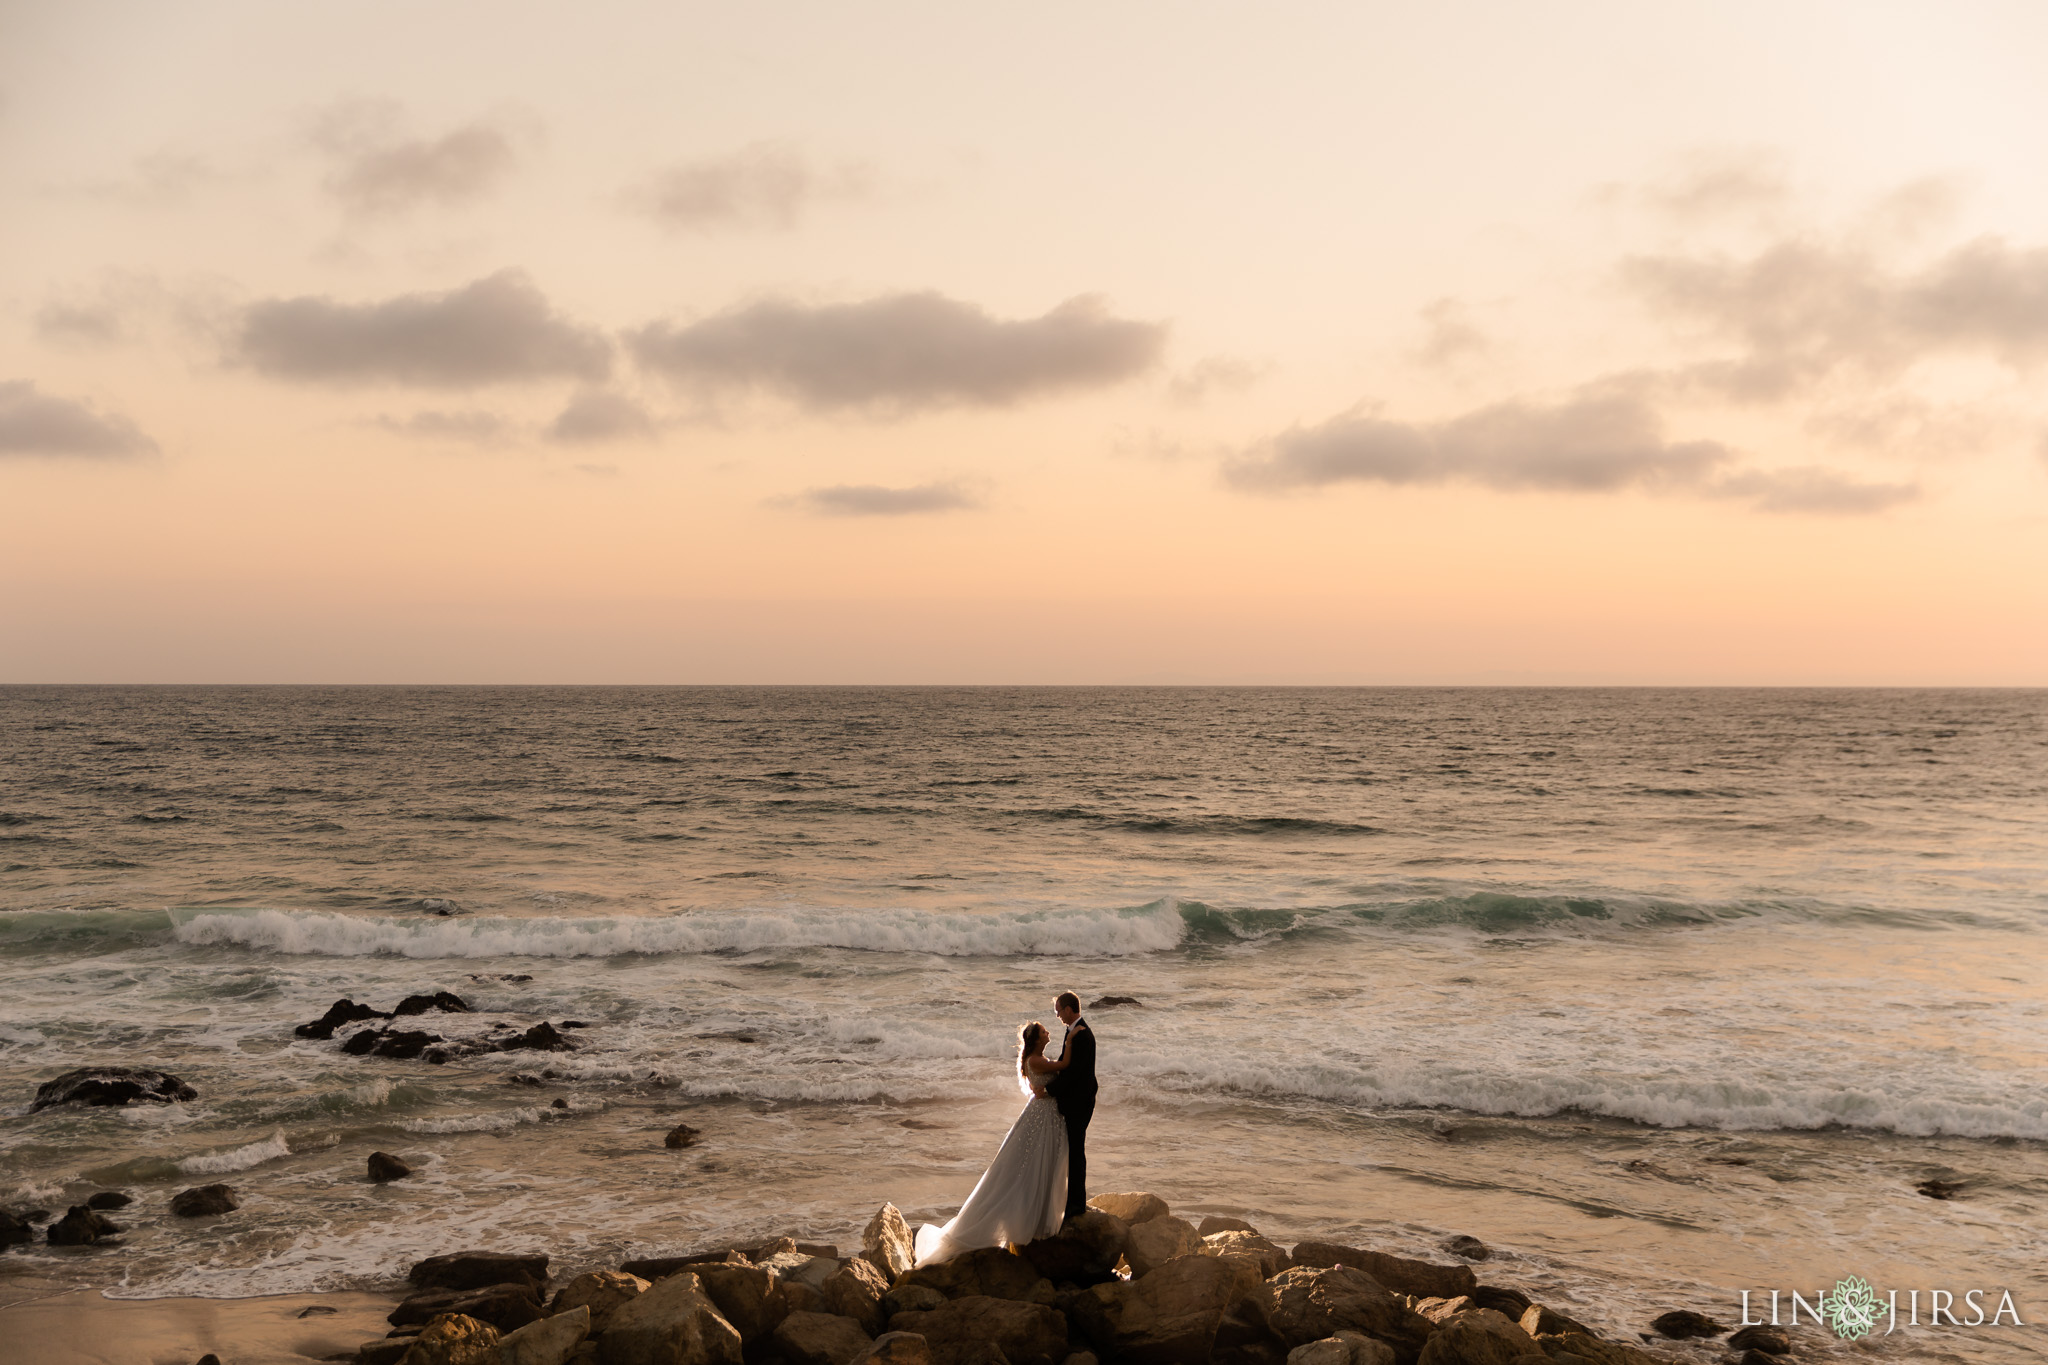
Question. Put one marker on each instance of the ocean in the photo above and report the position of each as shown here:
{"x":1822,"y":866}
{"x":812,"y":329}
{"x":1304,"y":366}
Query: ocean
{"x":1664,"y":994}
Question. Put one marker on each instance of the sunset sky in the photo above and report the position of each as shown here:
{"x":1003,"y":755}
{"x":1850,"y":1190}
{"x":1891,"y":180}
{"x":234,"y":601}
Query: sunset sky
{"x":898,"y":343}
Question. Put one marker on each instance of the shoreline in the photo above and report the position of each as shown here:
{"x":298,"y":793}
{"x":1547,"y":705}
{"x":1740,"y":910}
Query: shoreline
{"x":84,"y":1327}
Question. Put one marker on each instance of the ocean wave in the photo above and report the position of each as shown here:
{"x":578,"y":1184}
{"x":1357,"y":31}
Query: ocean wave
{"x":501,"y":1121}
{"x":1106,"y":933}
{"x":236,"y":1158}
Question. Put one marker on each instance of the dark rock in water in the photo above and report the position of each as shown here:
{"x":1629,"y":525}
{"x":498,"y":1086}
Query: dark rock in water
{"x":384,"y":1166}
{"x":343,"y":1011}
{"x":359,"y":1044}
{"x":1471,"y":1248}
{"x":522,"y":1078}
{"x":682,"y":1135}
{"x":1682,"y":1324}
{"x":402,"y":1044}
{"x":440,"y":905}
{"x":79,"y":1227}
{"x":476,"y":1269}
{"x":1110,"y":1002}
{"x":1774,"y":1340}
{"x":211,"y":1359}
{"x":1940,"y":1189}
{"x":514,"y":977}
{"x":574,"y":1023}
{"x":109,"y":1086}
{"x":204,"y":1201}
{"x":540,"y":1038}
{"x":1509,"y":1303}
{"x":506,"y":1307}
{"x":559,"y":1103}
{"x":109,"y":1199}
{"x":317,"y":1310}
{"x":445,"y":1001}
{"x":14,"y":1228}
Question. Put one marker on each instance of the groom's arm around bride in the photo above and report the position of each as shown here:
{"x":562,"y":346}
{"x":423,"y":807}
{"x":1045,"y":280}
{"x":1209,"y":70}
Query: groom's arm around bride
{"x":1073,"y":1089}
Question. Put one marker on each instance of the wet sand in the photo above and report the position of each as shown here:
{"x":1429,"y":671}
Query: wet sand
{"x":83,"y":1328}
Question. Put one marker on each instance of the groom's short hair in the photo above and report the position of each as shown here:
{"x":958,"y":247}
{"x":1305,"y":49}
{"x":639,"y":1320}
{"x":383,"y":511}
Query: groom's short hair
{"x":1067,"y":1000}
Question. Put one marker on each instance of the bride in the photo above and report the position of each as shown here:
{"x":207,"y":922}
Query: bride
{"x":1023,"y":1193}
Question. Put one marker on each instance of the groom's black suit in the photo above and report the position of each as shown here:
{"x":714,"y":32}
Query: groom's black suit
{"x":1073,"y":1090}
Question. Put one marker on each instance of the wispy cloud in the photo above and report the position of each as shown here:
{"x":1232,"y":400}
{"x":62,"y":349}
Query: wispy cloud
{"x":1449,"y":335}
{"x":596,"y":415}
{"x":901,"y":352}
{"x":1212,"y":375}
{"x":494,"y":330}
{"x":36,"y":423}
{"x":472,"y":427}
{"x":765,"y":185}
{"x":874,"y":500}
{"x":378,"y":169}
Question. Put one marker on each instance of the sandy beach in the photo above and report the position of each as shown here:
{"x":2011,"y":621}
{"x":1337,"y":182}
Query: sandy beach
{"x":82,"y":1327}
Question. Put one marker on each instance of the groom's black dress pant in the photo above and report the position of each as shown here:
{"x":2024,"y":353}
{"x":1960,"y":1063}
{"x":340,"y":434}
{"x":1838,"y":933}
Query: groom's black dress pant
{"x":1077,"y":1110}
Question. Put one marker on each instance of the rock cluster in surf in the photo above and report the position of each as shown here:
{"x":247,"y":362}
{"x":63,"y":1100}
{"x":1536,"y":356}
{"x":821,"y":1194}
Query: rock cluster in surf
{"x":407,"y":1044}
{"x":1126,"y":1283}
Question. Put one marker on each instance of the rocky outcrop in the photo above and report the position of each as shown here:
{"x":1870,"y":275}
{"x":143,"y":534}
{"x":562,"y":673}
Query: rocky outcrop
{"x":1345,"y":1348}
{"x":661,"y":1267}
{"x":821,"y":1339}
{"x":750,"y":1297}
{"x":403,"y":1044}
{"x":682,"y":1135}
{"x":1477,"y":1336}
{"x":542,"y":1037}
{"x":1305,"y":1304}
{"x":80,"y":1226}
{"x":1171,"y":1315}
{"x":109,"y":1199}
{"x":1214,"y":1224}
{"x":1083,"y":1252}
{"x":887,"y":1244}
{"x":855,"y":1291}
{"x":205,"y":1201}
{"x":343,"y":1011}
{"x":475,"y":1269}
{"x":1471,"y":1248}
{"x":102,"y":1087}
{"x":1026,"y":1333}
{"x":898,"y":1348}
{"x":1682,"y":1324}
{"x":1770,"y":1340}
{"x":988,"y":1272}
{"x":1270,"y":1259}
{"x":1539,"y":1321}
{"x":453,"y":1340}
{"x":15,"y":1228}
{"x":550,"y":1341}
{"x":1133,"y":1209}
{"x":446,"y":1002}
{"x":598,"y":1295}
{"x":385,"y":1167}
{"x":673,"y":1323}
{"x":1155,"y":1241}
{"x":912,"y":1298}
{"x":507,"y":1307}
{"x":1398,"y":1273}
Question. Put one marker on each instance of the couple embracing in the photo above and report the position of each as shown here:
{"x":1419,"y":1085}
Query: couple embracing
{"x":1040,"y":1175}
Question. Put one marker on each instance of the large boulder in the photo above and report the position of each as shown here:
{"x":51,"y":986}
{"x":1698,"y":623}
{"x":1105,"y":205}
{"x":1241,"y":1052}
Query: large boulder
{"x":1419,"y":1278}
{"x":750,"y":1297}
{"x":453,"y":1340}
{"x":341,"y":1012}
{"x":1215,"y":1223}
{"x":111,"y":1086}
{"x":912,"y":1298}
{"x":79,"y":1227}
{"x":1132,"y":1209}
{"x":1270,"y":1259}
{"x":1303,"y":1304}
{"x":1155,"y":1241}
{"x":598,"y":1294}
{"x":205,"y":1201}
{"x":855,"y":1291}
{"x":1345,"y":1348}
{"x":15,"y":1228}
{"x":383,"y":1167}
{"x":445,"y":1001}
{"x":1682,"y":1323}
{"x":549,"y":1341}
{"x":1477,"y":1336}
{"x":1026,"y":1333}
{"x":896,"y":1348}
{"x":1539,"y":1321}
{"x":821,"y":1339}
{"x":990,"y":1272}
{"x":475,"y":1269}
{"x":1597,"y":1352}
{"x":673,"y":1323}
{"x":507,"y":1307}
{"x":1171,"y":1316}
{"x":1085,"y":1251}
{"x":887,"y":1243}
{"x":800,"y":1267}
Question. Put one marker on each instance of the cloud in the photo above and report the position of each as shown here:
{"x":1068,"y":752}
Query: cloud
{"x":378,"y":170}
{"x":768,"y":184}
{"x":494,"y":330}
{"x":1802,"y":310}
{"x":1593,"y":442}
{"x":873,"y":500}
{"x":1808,"y":489}
{"x":900,"y":352}
{"x":1449,"y":335}
{"x":596,"y":415}
{"x":472,"y":427}
{"x":81,"y":324}
{"x":1713,"y":183}
{"x":1213,"y":374}
{"x":33,"y":423}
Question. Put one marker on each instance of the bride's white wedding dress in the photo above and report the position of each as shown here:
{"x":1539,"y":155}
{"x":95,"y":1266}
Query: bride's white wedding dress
{"x":1022,"y":1195}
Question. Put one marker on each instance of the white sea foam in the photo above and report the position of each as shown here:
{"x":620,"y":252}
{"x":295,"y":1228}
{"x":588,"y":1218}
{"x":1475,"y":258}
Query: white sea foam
{"x":237,"y":1158}
{"x":500,"y":1122}
{"x":1108,"y":933}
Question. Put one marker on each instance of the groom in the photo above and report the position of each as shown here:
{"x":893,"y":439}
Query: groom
{"x":1073,"y":1090}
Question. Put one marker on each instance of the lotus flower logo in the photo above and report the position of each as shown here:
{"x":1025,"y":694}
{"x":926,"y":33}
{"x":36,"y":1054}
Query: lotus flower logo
{"x":1851,"y":1308}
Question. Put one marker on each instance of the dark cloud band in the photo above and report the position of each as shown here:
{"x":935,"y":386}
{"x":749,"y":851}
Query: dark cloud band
{"x":35,"y":423}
